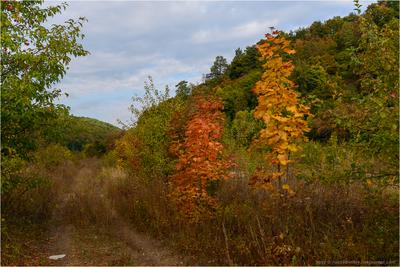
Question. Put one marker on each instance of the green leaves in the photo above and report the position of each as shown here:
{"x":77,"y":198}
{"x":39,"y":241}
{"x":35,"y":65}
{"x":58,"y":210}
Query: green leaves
{"x":34,"y":58}
{"x":219,"y":67}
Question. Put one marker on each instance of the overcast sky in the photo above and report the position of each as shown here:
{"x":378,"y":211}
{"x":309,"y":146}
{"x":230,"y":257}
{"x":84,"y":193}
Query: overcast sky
{"x":169,"y":40}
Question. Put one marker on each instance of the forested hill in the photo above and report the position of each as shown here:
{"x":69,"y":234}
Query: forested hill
{"x":81,"y":131}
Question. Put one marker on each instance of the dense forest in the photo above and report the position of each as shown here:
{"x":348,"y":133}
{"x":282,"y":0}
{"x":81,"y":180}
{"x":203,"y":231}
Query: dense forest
{"x":287,"y":155}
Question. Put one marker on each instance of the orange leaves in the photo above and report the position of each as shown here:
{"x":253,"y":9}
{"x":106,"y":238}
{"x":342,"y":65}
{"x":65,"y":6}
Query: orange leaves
{"x":194,"y":204}
{"x":278,"y":104}
{"x":200,"y":161}
{"x":289,"y":51}
{"x":283,"y":159}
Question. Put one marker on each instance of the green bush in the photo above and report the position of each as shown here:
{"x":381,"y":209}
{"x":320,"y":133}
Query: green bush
{"x":342,"y":163}
{"x":51,"y":156}
{"x":237,"y":96}
{"x":95,"y":149}
{"x":26,"y":190}
{"x":144,"y":149}
{"x":245,"y":128}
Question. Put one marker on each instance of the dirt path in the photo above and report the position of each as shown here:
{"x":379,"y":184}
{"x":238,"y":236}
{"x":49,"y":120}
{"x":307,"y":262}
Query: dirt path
{"x":118,"y":244}
{"x":91,"y":246}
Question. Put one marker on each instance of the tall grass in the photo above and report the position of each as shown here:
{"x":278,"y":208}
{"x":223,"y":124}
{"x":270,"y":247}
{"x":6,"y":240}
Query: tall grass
{"x":320,"y":223}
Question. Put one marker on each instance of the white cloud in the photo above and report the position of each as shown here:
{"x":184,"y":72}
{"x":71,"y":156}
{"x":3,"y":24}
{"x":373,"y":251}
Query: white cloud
{"x":103,"y":61}
{"x":246,"y":30}
{"x":85,"y":83}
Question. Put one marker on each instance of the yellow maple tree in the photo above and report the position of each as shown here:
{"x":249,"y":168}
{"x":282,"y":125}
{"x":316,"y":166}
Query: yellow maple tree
{"x":279,"y":107}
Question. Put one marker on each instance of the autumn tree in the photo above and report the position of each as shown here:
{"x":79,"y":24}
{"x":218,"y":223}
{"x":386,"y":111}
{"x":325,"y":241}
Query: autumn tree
{"x":200,"y":160}
{"x":279,"y":107}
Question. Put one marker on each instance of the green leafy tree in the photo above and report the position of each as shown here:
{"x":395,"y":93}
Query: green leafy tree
{"x":145,"y":104}
{"x":144,"y":147}
{"x":245,"y":128}
{"x":237,"y":94}
{"x":244,"y":62}
{"x":183,"y":89}
{"x":219,"y":67}
{"x":34,"y":57}
{"x":312,"y":80}
{"x":377,"y":64}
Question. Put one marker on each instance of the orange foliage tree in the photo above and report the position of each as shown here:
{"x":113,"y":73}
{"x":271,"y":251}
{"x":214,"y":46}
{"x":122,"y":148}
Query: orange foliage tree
{"x":200,"y":160}
{"x":279,"y":108}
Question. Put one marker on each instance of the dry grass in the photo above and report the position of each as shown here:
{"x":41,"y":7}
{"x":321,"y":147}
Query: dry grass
{"x":320,"y":223}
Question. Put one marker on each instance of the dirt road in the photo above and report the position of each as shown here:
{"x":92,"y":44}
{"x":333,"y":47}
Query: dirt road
{"x":115,"y":244}
{"x":93,"y":246}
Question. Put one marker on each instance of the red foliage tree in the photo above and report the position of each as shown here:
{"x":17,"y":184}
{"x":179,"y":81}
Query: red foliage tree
{"x":200,"y":160}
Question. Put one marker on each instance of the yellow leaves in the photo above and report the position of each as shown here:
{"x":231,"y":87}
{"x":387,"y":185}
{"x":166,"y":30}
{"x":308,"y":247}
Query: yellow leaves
{"x":287,"y":188}
{"x":280,"y":118}
{"x":276,"y":175}
{"x":283,"y":135}
{"x":273,"y":140}
{"x":267,"y":186}
{"x":292,"y":109}
{"x":278,"y":104}
{"x":280,"y":41}
{"x":283,"y":159}
{"x":266,"y":53}
{"x":293,"y":147}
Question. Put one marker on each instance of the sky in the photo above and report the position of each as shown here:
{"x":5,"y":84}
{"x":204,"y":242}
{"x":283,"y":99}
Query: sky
{"x":168,"y":40}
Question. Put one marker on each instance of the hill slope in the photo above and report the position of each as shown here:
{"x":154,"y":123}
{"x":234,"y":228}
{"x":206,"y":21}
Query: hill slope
{"x":83,"y":130}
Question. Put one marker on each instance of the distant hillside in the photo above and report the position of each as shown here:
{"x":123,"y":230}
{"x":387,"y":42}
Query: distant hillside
{"x":83,"y":130}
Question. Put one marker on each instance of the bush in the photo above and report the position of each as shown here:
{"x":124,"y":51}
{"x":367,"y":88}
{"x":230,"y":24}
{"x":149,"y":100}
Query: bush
{"x":343,"y":163}
{"x":245,"y":128}
{"x":26,"y":191}
{"x":95,"y":149}
{"x":334,"y":224}
{"x":51,"y":156}
{"x":144,"y":147}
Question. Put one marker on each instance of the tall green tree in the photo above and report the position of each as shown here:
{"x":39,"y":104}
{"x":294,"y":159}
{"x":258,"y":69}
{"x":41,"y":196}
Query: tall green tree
{"x":377,"y":61}
{"x":34,"y":57}
{"x":219,"y":67}
{"x":183,"y":89}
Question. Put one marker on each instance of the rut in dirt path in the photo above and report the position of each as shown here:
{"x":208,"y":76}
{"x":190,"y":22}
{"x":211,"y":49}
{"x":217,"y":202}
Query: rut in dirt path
{"x":117,"y":244}
{"x":91,"y":246}
{"x":147,"y":250}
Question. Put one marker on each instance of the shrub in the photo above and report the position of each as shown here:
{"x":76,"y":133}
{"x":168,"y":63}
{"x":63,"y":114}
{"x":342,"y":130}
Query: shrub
{"x":343,"y":163}
{"x":245,"y":128}
{"x":51,"y":156}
